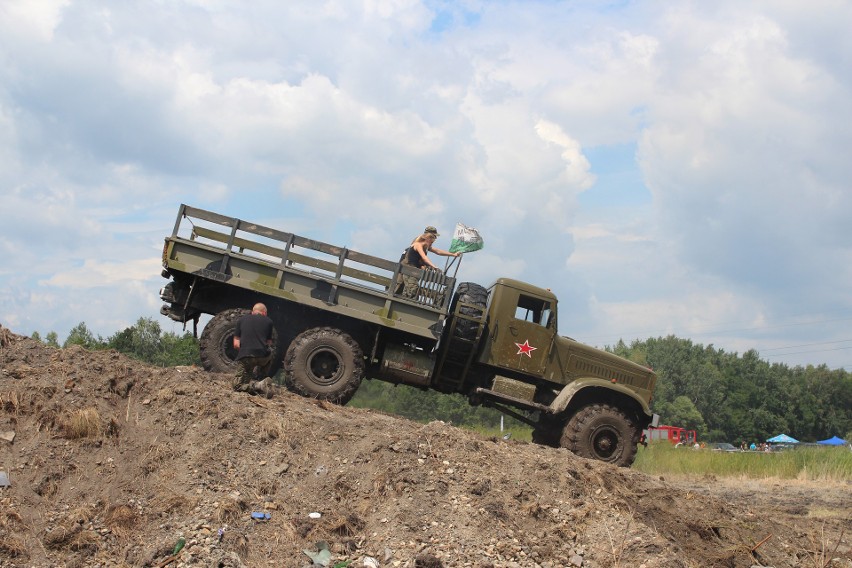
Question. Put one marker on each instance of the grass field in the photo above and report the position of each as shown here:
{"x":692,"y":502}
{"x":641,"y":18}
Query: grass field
{"x":807,"y":463}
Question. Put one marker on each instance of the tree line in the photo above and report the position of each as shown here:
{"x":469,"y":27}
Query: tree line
{"x":734,"y":398}
{"x":144,"y":341}
{"x":723,"y":396}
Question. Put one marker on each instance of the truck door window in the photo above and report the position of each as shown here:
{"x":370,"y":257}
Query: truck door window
{"x":533,"y":310}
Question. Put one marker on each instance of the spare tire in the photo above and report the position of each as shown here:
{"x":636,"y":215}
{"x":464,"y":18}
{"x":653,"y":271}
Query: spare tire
{"x":473,"y":299}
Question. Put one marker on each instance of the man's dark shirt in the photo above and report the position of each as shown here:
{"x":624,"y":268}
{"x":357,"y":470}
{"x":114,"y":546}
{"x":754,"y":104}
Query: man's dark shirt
{"x":253,"y":330}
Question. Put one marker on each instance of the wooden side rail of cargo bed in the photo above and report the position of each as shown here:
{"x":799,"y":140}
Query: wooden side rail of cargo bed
{"x":295,"y":258}
{"x":236,"y":236}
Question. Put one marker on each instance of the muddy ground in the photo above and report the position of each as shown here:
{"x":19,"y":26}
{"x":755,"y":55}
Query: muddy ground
{"x":109,"y":462}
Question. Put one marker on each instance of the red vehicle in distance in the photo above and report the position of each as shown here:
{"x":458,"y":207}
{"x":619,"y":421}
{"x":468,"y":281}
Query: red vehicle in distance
{"x":673,"y":434}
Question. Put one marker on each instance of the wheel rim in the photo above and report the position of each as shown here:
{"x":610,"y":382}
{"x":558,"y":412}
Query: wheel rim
{"x":605,"y":443}
{"x":326,"y":366}
{"x":228,"y":347}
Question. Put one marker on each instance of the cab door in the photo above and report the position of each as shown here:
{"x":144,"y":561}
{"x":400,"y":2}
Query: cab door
{"x":523,"y":335}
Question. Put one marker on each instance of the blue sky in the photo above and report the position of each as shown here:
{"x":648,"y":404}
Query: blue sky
{"x":665,"y":167}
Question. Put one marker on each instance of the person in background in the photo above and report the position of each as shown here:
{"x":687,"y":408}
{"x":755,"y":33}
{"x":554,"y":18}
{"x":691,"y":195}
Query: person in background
{"x":253,"y":342}
{"x":416,"y":255}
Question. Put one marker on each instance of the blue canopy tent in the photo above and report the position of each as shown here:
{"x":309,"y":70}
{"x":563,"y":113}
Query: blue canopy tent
{"x":782,"y":439}
{"x":833,"y":441}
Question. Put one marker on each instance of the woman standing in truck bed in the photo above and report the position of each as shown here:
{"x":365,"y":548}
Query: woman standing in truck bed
{"x":416,"y":255}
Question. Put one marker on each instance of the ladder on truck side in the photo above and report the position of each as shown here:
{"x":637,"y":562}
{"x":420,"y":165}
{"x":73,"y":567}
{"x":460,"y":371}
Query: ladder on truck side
{"x":457,"y":353}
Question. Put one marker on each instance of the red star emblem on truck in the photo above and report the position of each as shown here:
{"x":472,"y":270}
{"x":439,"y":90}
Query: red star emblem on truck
{"x":525,"y":348}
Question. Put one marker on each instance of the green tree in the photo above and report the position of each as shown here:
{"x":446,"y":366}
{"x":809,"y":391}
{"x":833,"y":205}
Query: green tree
{"x":681,"y":412}
{"x":140,"y":341}
{"x":146,"y":342}
{"x":179,"y":350}
{"x":52,"y":339}
{"x":80,"y":335}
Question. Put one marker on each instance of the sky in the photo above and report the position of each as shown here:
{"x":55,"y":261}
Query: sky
{"x":664,"y":167}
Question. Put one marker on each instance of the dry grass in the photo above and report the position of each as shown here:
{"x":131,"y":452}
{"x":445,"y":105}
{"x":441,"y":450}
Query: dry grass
{"x":10,"y":520}
{"x":13,"y":547}
{"x":85,"y":541}
{"x":9,"y":517}
{"x":821,"y":551}
{"x":230,"y":510}
{"x":11,"y":402}
{"x":6,"y":337}
{"x":48,"y":486}
{"x":381,"y":483}
{"x":340,"y":525}
{"x":174,"y":503}
{"x":156,"y":455}
{"x":120,"y":519}
{"x":271,"y":428}
{"x":85,"y":423}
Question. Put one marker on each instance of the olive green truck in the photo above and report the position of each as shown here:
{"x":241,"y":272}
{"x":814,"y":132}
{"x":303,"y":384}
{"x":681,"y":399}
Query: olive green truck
{"x":338,"y":320}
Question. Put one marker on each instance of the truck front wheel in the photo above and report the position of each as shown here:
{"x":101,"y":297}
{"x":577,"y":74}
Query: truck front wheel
{"x":324,"y":363}
{"x":601,"y":432}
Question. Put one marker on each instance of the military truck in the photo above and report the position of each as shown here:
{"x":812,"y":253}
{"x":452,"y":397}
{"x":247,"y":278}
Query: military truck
{"x":339,"y":320}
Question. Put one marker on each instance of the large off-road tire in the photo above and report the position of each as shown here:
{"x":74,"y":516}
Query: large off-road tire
{"x":216,"y":345}
{"x":601,"y":432}
{"x":474,"y":299}
{"x":324,"y":363}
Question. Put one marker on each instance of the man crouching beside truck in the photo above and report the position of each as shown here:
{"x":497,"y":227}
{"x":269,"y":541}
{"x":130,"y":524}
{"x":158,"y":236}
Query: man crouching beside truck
{"x":253,"y":341}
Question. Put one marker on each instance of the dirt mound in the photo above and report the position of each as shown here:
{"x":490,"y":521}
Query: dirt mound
{"x":109,"y":462}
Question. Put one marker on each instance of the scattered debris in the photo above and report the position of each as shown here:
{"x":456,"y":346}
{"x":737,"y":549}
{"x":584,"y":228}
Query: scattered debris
{"x":179,"y":546}
{"x":321,"y":556}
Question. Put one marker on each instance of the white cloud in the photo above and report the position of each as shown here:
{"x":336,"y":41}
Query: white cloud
{"x":39,"y":17}
{"x":577,"y":173}
{"x":363,"y":122}
{"x":94,"y":273}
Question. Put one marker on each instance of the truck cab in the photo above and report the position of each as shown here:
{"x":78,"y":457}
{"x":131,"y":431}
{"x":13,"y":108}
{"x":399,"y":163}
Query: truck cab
{"x":588,"y":400}
{"x":521,"y":328}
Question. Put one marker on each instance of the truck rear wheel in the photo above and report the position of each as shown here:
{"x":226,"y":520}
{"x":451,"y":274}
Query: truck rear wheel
{"x":324,"y":363}
{"x":216,"y":345}
{"x":601,"y":432}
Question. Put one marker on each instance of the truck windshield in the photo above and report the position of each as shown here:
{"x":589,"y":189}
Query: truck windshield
{"x":533,"y":310}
